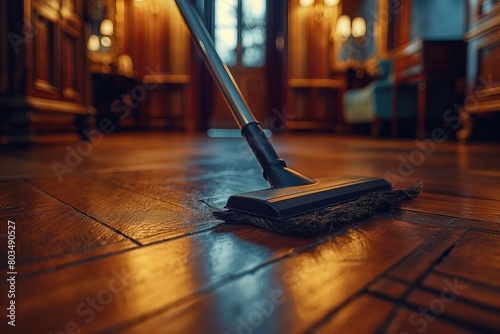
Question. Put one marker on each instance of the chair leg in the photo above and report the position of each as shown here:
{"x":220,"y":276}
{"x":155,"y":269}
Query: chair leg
{"x":347,"y":129}
{"x":375,"y":128}
{"x":394,"y":113}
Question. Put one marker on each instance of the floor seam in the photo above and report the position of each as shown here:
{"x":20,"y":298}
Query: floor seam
{"x":83,"y":213}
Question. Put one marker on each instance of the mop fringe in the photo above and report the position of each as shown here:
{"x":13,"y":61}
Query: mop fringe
{"x":327,"y":219}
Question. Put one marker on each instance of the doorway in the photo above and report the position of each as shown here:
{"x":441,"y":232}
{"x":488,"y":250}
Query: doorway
{"x":240,"y":34}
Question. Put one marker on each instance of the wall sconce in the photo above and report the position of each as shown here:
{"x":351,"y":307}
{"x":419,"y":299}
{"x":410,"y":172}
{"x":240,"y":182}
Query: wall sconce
{"x":322,"y":8}
{"x":345,"y":29}
{"x":306,"y":3}
{"x":154,"y":6}
{"x":358,"y":27}
{"x":95,"y":43}
{"x":327,"y":3}
{"x":106,"y":31}
{"x":106,"y":27}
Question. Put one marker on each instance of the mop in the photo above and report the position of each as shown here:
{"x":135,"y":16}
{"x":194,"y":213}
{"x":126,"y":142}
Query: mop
{"x":294,"y":204}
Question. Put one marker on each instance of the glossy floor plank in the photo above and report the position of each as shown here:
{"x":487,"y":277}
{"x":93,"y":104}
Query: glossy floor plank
{"x":149,"y":278}
{"x":452,"y":308}
{"x":410,"y":321}
{"x":50,"y":233}
{"x":372,"y":310}
{"x":476,"y":257}
{"x":138,"y":217}
{"x":463,"y":207}
{"x":475,"y":292}
{"x":310,"y":284}
{"x":122,"y":243}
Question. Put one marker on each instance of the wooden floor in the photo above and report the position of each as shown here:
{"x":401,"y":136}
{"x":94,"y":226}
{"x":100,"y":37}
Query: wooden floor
{"x":120,"y":242}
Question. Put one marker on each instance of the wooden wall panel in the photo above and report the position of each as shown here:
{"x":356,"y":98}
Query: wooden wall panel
{"x":71,"y":89}
{"x":73,"y":57}
{"x":313,"y":88}
{"x":156,"y":29}
{"x":158,"y":41}
{"x":308,"y":44}
{"x":70,"y":4}
{"x":5,"y":45}
{"x":393,"y":26}
{"x":483,"y":74}
{"x":484,"y":45}
{"x":42,"y":53}
{"x":179,"y":43}
{"x":43,"y":68}
{"x":56,"y":55}
{"x":488,"y":60}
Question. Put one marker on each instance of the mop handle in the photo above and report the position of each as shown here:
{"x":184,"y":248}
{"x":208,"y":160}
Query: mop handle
{"x":275,"y":170}
{"x":239,"y":107}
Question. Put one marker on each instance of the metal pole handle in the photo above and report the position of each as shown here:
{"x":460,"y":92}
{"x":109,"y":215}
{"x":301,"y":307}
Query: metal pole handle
{"x":239,"y":107}
{"x":275,"y":170}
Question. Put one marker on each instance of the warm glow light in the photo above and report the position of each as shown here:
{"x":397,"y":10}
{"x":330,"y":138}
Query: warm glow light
{"x":93,"y":43}
{"x":107,"y":27}
{"x":125,"y":65}
{"x":331,"y":3}
{"x":106,"y":41}
{"x":306,"y":3}
{"x":344,"y":27}
{"x":358,"y":27}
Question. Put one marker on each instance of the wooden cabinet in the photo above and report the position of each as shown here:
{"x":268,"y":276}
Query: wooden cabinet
{"x":159,"y":44}
{"x":314,"y":94}
{"x":429,"y":65}
{"x":46,"y":60}
{"x":483,"y":72}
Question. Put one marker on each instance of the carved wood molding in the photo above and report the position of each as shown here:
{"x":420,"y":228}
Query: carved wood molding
{"x":40,"y":104}
{"x":4,"y":59}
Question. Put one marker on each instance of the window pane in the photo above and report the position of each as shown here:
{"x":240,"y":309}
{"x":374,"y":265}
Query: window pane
{"x":253,"y":34}
{"x":226,"y":41}
{"x":254,"y":12}
{"x":226,"y":30}
{"x":226,"y":13}
{"x":251,"y":19}
{"x":254,"y":56}
{"x":253,"y":43}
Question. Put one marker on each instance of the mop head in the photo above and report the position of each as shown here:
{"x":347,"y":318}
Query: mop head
{"x":327,"y":219}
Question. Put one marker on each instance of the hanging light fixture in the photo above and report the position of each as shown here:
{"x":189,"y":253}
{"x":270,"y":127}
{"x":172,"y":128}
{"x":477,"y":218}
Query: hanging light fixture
{"x":106,"y":41}
{"x":322,"y":8}
{"x":154,"y":6}
{"x":306,"y":3}
{"x":358,"y":27}
{"x":327,"y":3}
{"x":93,"y":44}
{"x":331,"y":3}
{"x":106,"y":27}
{"x":344,"y":27}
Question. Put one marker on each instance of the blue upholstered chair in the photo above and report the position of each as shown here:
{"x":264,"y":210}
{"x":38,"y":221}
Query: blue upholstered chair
{"x":372,"y":103}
